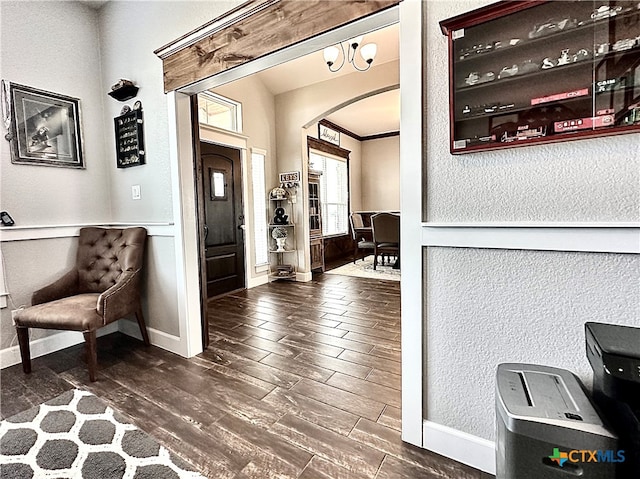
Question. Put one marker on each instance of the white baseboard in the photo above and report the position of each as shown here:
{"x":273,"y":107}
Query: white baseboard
{"x":304,"y":277}
{"x":257,"y":281}
{"x":157,"y":338}
{"x":460,"y":446}
{"x":49,"y":344}
{"x":65,"y":339}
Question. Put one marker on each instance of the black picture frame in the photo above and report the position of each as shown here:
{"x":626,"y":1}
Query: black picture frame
{"x":129,"y":139}
{"x":45,"y":128}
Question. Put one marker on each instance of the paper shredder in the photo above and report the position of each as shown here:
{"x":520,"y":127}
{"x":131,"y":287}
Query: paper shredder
{"x":543,"y":414}
{"x":614,"y":354}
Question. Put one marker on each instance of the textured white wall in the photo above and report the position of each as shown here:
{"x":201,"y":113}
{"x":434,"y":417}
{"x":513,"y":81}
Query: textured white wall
{"x":582,"y":180}
{"x":483,"y":307}
{"x":381,"y":174}
{"x":40,"y":48}
{"x":491,"y":306}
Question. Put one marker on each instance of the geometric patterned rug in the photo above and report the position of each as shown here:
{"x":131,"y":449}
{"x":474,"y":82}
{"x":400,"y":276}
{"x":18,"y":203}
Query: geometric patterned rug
{"x":76,"y":435}
{"x":364,"y":269}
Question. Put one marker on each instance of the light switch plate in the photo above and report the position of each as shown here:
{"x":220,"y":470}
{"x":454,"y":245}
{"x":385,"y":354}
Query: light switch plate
{"x":135,"y":192}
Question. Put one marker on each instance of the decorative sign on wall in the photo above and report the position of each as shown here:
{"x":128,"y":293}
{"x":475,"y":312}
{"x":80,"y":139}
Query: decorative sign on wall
{"x":290,"y":177}
{"x":328,"y":134}
{"x":129,"y":139}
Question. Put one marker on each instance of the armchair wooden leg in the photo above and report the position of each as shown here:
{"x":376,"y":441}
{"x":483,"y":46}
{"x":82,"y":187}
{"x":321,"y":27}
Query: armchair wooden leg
{"x":375,"y":259}
{"x":25,"y":352}
{"x":143,"y":327}
{"x":92,"y":353}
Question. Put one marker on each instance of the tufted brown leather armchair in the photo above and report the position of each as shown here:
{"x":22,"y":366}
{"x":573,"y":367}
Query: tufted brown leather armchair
{"x":102,"y":287}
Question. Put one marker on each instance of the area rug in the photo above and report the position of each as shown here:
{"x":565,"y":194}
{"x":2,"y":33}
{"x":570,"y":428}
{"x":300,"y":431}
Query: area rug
{"x":364,"y":269}
{"x":76,"y":435}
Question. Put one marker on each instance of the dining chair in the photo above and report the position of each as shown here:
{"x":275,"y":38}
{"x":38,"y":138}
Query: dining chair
{"x":361,"y":235}
{"x":386,"y":235}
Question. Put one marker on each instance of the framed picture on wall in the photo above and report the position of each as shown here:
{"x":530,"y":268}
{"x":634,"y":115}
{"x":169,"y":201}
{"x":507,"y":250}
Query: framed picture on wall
{"x":45,"y":127}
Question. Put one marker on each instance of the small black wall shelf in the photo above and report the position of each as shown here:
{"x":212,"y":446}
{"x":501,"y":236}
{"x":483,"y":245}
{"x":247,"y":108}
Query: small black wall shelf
{"x":124,"y":93}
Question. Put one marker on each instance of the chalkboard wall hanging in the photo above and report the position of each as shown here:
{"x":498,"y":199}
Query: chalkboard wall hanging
{"x":129,"y":139}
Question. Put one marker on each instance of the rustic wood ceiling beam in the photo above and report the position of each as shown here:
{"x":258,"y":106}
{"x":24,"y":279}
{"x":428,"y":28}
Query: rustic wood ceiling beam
{"x":269,"y":29}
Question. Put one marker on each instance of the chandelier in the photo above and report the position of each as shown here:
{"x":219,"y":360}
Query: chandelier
{"x":367,"y":52}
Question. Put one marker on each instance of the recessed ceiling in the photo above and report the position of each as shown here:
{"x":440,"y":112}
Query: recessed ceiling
{"x":310,"y":69}
{"x":371,"y":116}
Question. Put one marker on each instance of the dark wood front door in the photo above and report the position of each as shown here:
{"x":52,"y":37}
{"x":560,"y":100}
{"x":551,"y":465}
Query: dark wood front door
{"x":224,"y":221}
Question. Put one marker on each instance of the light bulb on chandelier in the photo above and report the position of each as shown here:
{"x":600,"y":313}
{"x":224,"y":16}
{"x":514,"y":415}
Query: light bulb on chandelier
{"x":367,"y":52}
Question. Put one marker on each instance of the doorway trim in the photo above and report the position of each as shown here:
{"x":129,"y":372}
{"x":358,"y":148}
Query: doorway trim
{"x":411,"y":192}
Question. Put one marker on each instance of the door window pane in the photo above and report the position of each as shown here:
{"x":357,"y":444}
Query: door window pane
{"x":218,"y":111}
{"x":218,"y":185}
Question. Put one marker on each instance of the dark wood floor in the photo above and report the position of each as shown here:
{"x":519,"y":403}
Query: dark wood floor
{"x":302,"y":380}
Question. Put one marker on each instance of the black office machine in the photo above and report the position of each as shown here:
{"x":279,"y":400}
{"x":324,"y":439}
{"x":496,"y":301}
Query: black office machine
{"x":614,"y":354}
{"x":547,"y":427}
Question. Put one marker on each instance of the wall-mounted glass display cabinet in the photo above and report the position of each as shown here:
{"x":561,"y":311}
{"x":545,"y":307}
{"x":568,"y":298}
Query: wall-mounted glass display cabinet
{"x":528,"y":72}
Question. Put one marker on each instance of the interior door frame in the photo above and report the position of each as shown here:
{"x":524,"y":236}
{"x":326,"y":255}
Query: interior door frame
{"x":226,"y":139}
{"x":183,"y":160}
{"x":200,"y":214}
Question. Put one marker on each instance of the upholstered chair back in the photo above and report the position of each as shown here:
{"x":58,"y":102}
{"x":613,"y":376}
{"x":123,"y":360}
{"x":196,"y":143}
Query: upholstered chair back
{"x":104,"y":254}
{"x":356,"y":218}
{"x":386,"y":228}
{"x":356,"y":223}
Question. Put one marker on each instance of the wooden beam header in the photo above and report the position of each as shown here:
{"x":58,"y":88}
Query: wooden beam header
{"x":267,"y":29}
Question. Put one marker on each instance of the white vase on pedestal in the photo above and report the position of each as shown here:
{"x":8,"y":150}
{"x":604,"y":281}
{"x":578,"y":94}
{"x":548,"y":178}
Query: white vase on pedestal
{"x":280,"y":244}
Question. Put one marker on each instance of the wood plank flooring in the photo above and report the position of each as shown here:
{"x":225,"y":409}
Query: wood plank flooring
{"x":302,"y":380}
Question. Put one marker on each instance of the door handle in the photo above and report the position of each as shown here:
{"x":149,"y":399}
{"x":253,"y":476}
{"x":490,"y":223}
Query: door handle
{"x":242,"y":227}
{"x":206,"y":232}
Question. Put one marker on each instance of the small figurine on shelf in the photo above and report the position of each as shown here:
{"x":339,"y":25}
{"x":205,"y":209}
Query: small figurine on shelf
{"x":602,"y":49}
{"x":564,"y":57}
{"x":472,"y":79}
{"x":278,"y":193}
{"x":280,"y":235}
{"x":280,"y":218}
{"x":508,"y":71}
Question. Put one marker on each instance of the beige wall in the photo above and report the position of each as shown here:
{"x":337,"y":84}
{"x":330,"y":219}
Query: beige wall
{"x":355,"y":166}
{"x":258,"y":111}
{"x":381,"y":174}
{"x":306,"y":105}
